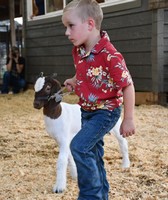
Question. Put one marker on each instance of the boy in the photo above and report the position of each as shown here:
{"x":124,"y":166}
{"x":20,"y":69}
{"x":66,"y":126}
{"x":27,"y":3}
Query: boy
{"x":101,"y":81}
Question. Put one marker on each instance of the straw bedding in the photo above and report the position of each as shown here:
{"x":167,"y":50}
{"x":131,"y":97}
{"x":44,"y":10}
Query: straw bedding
{"x":28,"y":155}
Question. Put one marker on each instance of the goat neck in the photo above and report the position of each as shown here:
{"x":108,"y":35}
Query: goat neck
{"x":52,"y":109}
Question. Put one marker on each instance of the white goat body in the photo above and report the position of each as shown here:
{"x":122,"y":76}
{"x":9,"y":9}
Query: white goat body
{"x":62,"y":122}
{"x":63,"y":129}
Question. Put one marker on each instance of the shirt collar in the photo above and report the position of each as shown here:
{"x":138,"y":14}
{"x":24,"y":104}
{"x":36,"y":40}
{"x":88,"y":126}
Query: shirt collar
{"x":97,"y":48}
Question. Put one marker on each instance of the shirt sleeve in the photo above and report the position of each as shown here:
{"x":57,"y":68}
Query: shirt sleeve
{"x":118,"y":70}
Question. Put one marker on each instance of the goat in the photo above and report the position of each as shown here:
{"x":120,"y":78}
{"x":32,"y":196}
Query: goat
{"x":62,"y":122}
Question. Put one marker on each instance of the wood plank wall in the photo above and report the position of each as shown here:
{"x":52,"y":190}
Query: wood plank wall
{"x":131,"y":34}
{"x":48,"y":50}
{"x":165,"y":72}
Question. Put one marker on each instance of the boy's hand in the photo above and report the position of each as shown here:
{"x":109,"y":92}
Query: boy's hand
{"x":69,"y":84}
{"x":127,"y":128}
{"x":69,"y":87}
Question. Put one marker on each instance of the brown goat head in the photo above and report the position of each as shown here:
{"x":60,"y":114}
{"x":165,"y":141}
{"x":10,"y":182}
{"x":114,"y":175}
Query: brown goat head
{"x":45,"y":87}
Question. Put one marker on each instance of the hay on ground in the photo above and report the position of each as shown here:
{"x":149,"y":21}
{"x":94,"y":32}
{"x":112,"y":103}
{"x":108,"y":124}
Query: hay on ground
{"x":28,"y":155}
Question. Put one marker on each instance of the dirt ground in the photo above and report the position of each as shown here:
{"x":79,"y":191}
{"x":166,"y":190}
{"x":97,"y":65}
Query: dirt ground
{"x":28,"y":155}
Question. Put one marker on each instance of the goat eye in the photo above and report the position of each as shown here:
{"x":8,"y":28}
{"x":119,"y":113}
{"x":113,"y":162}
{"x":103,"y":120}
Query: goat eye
{"x":48,"y":88}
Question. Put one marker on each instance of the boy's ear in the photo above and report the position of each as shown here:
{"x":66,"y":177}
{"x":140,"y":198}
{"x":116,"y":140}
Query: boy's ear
{"x":91,"y":23}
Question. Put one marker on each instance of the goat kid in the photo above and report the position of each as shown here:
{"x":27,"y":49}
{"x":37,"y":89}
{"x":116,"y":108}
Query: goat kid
{"x":62,"y":122}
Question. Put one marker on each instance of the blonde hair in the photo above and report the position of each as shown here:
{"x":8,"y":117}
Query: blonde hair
{"x":85,"y":9}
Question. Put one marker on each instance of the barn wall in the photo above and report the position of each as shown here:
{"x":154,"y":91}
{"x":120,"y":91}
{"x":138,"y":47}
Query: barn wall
{"x":165,"y":38}
{"x":131,"y":33}
{"x":47,"y":49}
{"x":139,"y":32}
{"x":155,"y":4}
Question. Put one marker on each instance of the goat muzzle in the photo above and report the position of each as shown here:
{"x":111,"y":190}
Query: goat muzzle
{"x":37,"y":104}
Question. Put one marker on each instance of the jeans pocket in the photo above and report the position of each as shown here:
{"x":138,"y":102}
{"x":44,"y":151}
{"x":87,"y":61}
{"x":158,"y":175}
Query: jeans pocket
{"x":112,"y":118}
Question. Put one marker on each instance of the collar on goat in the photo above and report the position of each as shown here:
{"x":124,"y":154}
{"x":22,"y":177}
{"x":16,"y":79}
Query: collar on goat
{"x":58,"y":95}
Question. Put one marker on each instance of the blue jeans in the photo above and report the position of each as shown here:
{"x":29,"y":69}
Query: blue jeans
{"x":16,"y":83}
{"x":87,"y":150}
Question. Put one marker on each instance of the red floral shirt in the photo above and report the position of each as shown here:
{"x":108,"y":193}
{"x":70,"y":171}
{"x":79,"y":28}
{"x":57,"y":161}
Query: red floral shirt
{"x":100,"y":75}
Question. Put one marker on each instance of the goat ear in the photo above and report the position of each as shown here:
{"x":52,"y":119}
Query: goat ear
{"x":41,"y":74}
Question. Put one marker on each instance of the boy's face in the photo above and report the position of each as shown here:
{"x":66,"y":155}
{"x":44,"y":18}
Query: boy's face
{"x":76,"y":30}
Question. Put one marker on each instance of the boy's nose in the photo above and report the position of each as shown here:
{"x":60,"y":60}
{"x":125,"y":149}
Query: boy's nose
{"x":67,"y":32}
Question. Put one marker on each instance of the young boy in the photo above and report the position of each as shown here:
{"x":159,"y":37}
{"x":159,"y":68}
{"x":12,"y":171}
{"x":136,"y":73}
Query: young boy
{"x":101,"y":81}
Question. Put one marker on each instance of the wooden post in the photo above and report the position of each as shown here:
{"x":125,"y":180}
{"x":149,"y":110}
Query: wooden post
{"x":12,"y":22}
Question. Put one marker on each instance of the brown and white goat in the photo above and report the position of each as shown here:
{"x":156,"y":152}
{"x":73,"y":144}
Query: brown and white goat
{"x":62,"y":122}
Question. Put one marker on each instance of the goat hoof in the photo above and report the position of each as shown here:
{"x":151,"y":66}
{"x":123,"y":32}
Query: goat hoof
{"x":57,"y":189}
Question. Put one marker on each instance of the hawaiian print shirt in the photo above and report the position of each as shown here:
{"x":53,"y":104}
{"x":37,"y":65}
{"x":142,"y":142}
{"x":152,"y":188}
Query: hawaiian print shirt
{"x":101,"y":75}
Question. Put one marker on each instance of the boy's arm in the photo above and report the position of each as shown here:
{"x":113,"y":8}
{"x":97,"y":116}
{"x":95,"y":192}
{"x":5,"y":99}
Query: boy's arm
{"x":127,"y":127}
{"x":70,"y":83}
